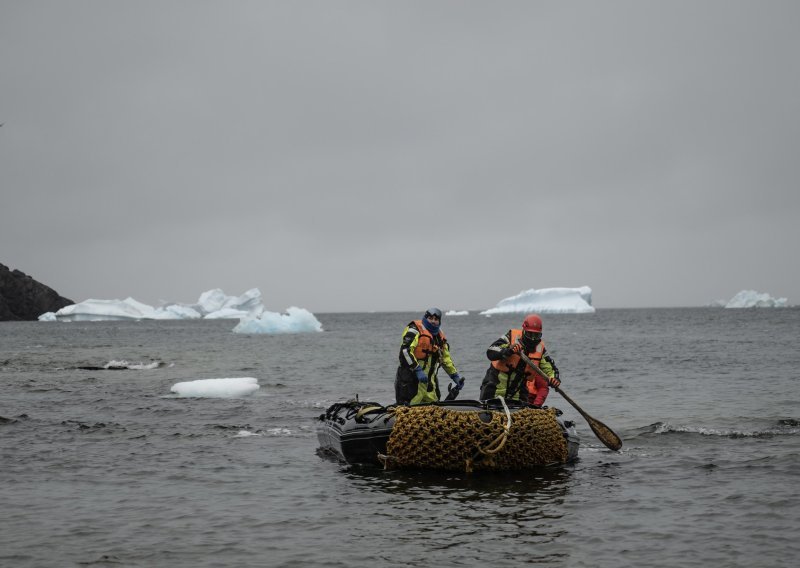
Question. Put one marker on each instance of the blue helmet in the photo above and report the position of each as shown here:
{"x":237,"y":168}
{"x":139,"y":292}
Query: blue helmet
{"x":435,"y":312}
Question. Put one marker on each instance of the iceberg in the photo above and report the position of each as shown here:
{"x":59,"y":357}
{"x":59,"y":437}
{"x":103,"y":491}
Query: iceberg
{"x":177,"y":311}
{"x":217,"y":388}
{"x":213,"y":304}
{"x":546,"y":301}
{"x":123,"y":366}
{"x":295,"y":320}
{"x":110,"y":310}
{"x":753,"y":299}
{"x":216,"y":304}
{"x":227,"y":313}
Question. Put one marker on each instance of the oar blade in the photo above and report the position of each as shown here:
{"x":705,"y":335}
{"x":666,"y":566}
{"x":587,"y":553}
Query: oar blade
{"x":605,"y":434}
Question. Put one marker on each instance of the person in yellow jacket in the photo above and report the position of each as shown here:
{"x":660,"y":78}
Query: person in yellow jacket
{"x":424,"y":349}
{"x":510,"y":376}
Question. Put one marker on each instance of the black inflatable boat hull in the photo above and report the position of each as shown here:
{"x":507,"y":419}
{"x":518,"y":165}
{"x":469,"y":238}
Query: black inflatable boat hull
{"x":357,"y":432}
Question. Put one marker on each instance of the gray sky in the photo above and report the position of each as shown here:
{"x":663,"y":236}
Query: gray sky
{"x":366,"y":155}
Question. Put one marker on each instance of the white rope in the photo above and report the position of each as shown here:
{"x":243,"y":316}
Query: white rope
{"x":498,"y":443}
{"x":508,"y":414}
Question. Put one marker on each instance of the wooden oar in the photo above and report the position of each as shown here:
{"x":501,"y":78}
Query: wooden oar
{"x":603,"y":432}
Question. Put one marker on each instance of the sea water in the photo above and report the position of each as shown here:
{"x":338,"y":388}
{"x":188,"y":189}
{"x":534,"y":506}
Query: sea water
{"x":107,"y":467}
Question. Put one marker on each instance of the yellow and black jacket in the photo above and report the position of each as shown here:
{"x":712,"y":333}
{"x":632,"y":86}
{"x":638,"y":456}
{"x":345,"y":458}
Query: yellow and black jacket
{"x":421,"y":348}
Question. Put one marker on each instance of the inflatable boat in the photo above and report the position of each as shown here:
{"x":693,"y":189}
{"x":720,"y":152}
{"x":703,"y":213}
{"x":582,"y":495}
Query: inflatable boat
{"x":466,"y":435}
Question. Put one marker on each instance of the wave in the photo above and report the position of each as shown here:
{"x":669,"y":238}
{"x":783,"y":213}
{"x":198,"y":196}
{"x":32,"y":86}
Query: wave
{"x":4,"y":420}
{"x":267,"y":432}
{"x":780,"y":427}
{"x":246,"y":430}
{"x":93,"y":427}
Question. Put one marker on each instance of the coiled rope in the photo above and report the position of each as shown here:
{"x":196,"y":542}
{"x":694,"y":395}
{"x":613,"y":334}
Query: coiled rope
{"x":497,"y":444}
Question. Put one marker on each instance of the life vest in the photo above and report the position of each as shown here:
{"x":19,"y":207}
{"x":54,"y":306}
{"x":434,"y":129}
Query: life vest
{"x":428,"y":354}
{"x":426,"y":344}
{"x":510,"y":365}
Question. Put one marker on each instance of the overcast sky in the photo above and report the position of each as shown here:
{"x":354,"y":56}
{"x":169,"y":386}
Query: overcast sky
{"x":367,"y":155}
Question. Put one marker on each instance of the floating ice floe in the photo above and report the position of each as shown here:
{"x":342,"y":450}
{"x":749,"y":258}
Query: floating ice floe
{"x":217,"y":388}
{"x":123,"y":366}
{"x":752,"y":299}
{"x":456,"y":313}
{"x":546,"y":301}
{"x":295,"y":320}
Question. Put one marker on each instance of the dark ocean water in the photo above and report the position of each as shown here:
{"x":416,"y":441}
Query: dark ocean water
{"x":107,"y":468}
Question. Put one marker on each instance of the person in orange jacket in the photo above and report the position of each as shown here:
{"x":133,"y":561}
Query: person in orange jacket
{"x":511,"y":377}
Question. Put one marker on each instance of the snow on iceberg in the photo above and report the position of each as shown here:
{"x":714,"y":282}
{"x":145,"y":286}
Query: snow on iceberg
{"x":546,"y":301}
{"x":295,"y":320}
{"x":217,"y":388}
{"x":753,"y":299}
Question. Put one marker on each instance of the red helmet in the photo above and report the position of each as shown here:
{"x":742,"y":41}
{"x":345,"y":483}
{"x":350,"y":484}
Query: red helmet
{"x":532,"y":323}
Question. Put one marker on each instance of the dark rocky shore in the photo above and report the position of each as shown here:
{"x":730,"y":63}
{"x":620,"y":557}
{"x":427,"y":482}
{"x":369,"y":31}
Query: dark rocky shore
{"x":24,"y":299}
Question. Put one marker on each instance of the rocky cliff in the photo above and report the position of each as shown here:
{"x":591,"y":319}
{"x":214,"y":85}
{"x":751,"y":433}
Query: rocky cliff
{"x":23,"y":298}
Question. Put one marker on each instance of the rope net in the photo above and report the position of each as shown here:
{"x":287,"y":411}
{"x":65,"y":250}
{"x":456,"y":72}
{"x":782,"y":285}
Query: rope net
{"x":431,"y":437}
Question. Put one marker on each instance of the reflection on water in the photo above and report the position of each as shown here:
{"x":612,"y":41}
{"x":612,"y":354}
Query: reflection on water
{"x":463,"y":511}
{"x":484,"y":485}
